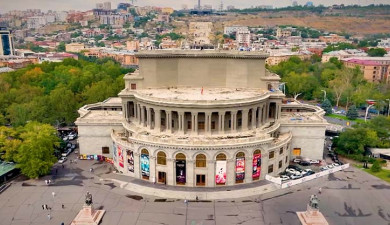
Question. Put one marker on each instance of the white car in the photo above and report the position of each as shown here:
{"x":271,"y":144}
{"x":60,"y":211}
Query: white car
{"x":72,"y":136}
{"x":284,"y":177}
{"x":296,"y":176}
{"x":67,"y":152}
{"x":330,"y":166}
{"x":305,"y":171}
{"x":66,"y":138}
{"x":296,"y":160}
{"x":335,"y":164}
{"x":62,"y":160}
{"x":314,"y":161}
{"x":292,"y":171}
{"x":324,"y":168}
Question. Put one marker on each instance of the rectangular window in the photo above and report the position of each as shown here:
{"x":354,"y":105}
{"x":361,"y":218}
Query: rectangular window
{"x":272,"y":155}
{"x":280,"y":164}
{"x":105,"y":150}
{"x":201,"y":125}
{"x":281,"y":151}
{"x":270,"y":168}
{"x":173,"y":123}
{"x":286,"y":159}
{"x":239,"y":122}
{"x":133,"y":86}
{"x":297,"y":151}
{"x":189,"y":127}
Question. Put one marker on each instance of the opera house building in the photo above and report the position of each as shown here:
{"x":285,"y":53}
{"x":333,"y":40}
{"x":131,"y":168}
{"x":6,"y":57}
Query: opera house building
{"x":201,"y":119}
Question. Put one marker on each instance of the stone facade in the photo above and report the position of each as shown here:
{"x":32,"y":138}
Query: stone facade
{"x":198,"y":119}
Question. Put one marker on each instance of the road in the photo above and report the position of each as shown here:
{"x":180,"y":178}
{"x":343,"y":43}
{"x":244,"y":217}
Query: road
{"x":350,"y":197}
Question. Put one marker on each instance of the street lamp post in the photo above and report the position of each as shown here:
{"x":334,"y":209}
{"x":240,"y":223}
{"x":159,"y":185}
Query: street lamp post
{"x":324,"y":94}
{"x":365,"y":118}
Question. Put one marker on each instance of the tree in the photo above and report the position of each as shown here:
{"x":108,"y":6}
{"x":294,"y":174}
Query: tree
{"x":35,"y":156}
{"x":327,"y":107}
{"x":355,"y":140}
{"x":61,"y":47}
{"x":376,"y":167}
{"x":376,"y":52}
{"x":352,"y":113}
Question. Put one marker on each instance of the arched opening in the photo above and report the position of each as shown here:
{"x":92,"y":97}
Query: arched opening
{"x":180,"y":169}
{"x":256,"y":165}
{"x":200,"y":163}
{"x":161,"y":160}
{"x":240,"y":167}
{"x":220,"y":169}
{"x":145,"y":165}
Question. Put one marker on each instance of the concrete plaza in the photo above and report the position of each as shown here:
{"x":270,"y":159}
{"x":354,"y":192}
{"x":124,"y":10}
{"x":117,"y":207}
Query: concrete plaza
{"x":350,"y":197}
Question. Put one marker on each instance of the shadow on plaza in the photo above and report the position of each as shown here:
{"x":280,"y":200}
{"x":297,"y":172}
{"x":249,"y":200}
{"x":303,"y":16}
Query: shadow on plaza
{"x":351,"y":212}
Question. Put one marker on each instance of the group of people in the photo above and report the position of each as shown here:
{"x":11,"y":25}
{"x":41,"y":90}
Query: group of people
{"x":48,"y":182}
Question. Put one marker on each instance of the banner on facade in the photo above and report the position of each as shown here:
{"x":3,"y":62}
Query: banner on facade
{"x":240,"y":168}
{"x":256,"y":165}
{"x":220,"y":172}
{"x":180,"y":171}
{"x":115,"y":157}
{"x":120,"y":156}
{"x":130,"y":160}
{"x":145,"y":165}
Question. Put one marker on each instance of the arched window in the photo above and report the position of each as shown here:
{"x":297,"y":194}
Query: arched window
{"x":201,"y":160}
{"x":161,"y":158}
{"x":180,"y":156}
{"x":181,"y":169}
{"x":221,"y":157}
{"x":145,"y":152}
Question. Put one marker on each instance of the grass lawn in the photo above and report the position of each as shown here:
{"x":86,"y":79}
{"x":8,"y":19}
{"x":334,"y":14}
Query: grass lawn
{"x":383,"y":174}
{"x":358,"y":120}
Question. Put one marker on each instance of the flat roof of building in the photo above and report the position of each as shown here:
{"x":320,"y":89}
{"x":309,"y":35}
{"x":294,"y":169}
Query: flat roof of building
{"x":201,"y":54}
{"x":201,"y":94}
{"x":5,"y":167}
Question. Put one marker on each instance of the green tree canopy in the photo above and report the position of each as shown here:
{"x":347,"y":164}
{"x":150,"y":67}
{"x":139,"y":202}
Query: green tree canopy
{"x":326,"y":106}
{"x":376,"y":52}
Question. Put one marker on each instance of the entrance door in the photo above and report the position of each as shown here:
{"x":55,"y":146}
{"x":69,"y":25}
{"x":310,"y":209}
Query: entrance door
{"x":162,"y":177}
{"x":200,"y":180}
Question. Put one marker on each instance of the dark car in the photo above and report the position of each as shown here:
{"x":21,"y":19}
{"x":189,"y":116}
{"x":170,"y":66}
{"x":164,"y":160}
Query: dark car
{"x":304,"y":163}
{"x":295,"y":168}
{"x":309,"y":173}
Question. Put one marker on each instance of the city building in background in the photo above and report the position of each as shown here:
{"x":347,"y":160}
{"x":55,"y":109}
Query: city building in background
{"x":6,"y":42}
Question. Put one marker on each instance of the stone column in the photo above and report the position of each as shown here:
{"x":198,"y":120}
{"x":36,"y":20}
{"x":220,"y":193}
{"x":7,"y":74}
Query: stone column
{"x":248,"y":169}
{"x":169,"y":121}
{"x":208,"y":122}
{"x":149,"y":118}
{"x":190,"y":179}
{"x":137,"y":166}
{"x":135,"y":110}
{"x":221,"y":129}
{"x":125,"y":111}
{"x":181,"y":122}
{"x":245,"y":120}
{"x":233,"y":120}
{"x":231,"y":171}
{"x":263,"y":110}
{"x":259,"y":117}
{"x":142,"y":116}
{"x":254,"y":118}
{"x":210,"y":177}
{"x":171,"y":175}
{"x":152,"y":168}
{"x":195,"y":122}
{"x":157,"y":120}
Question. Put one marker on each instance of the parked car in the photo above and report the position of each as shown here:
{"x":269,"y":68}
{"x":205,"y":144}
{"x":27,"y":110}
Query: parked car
{"x":330,"y":166}
{"x":62,"y":160}
{"x":307,"y":172}
{"x":295,"y":176}
{"x":65,"y":138}
{"x":295,"y":168}
{"x":297,"y":160}
{"x":73,"y":146}
{"x":314,"y":161}
{"x":324,"y":168}
{"x":335,"y":164}
{"x":304,"y":163}
{"x":68,"y":151}
{"x":72,"y":136}
{"x":284,"y":177}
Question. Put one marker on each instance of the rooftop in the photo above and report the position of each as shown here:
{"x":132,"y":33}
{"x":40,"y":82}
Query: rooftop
{"x":363,"y":62}
{"x":201,"y":94}
{"x":201,"y":54}
{"x":5,"y":167}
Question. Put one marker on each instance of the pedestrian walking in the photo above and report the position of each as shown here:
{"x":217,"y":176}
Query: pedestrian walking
{"x":49,"y":216}
{"x":46,"y":182}
{"x":43,"y":207}
{"x":91,"y":170}
{"x":63,"y":206}
{"x":54,"y":194}
{"x":197,"y":198}
{"x":319,"y":190}
{"x":49,"y":182}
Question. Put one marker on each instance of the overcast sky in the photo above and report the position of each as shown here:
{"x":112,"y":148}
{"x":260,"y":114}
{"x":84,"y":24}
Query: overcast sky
{"x":7,"y":5}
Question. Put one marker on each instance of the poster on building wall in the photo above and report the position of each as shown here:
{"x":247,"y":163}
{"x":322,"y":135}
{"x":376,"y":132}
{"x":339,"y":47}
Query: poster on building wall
{"x":256,"y":165}
{"x":220,"y":172}
{"x":130,"y":160}
{"x":120,"y":156}
{"x":180,"y":171}
{"x":115,"y":158}
{"x":145,"y":165}
{"x":240,"y":168}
